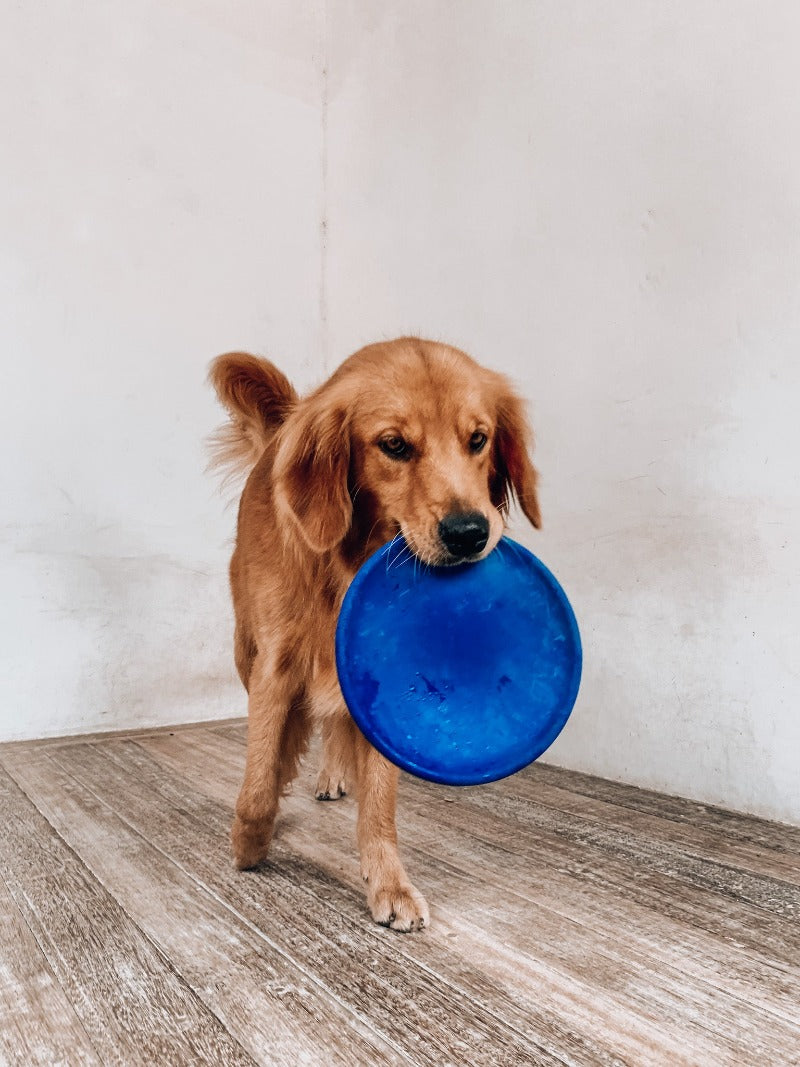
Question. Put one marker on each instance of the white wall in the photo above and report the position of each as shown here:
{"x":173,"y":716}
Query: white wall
{"x":602,"y":199}
{"x":161,"y":203}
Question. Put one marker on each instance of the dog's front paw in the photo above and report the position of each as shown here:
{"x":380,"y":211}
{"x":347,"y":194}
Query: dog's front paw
{"x":399,"y":906}
{"x":250,"y":839}
{"x":329,"y":786}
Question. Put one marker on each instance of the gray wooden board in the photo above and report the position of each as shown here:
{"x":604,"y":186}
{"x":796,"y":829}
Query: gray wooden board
{"x":625,"y":928}
{"x":644,"y":960}
{"x":526,"y":870}
{"x":38,"y":1025}
{"x":656,"y":832}
{"x":592,"y":856}
{"x":729,"y":824}
{"x":766,"y":893}
{"x":554,"y":846}
{"x":575,"y":920}
{"x":732,"y":1015}
{"x":314,"y":920}
{"x":278,"y":1013}
{"x":537,"y":996}
{"x":656,"y":977}
{"x":133,"y":1007}
{"x":612,"y":988}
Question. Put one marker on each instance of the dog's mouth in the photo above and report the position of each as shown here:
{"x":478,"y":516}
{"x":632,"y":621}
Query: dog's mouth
{"x":456,"y":561}
{"x":432,"y":553}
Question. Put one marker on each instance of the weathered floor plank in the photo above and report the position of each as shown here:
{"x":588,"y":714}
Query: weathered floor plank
{"x":38,"y":1025}
{"x":653,"y":976}
{"x":309,"y":916}
{"x":591,"y":854}
{"x":578,"y":869}
{"x":671,"y":837}
{"x":132,"y":1005}
{"x":730,"y":824}
{"x":264,"y":1001}
{"x":576,"y":921}
{"x":536,"y":991}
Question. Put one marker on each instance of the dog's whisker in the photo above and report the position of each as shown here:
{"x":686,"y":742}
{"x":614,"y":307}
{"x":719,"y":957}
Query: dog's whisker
{"x":400,"y":549}
{"x":413,"y":554}
{"x":405,"y":547}
{"x":389,"y":550}
{"x":372,"y":529}
{"x":398,"y":560}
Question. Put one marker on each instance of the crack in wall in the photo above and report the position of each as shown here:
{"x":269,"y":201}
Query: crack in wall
{"x":323,"y":270}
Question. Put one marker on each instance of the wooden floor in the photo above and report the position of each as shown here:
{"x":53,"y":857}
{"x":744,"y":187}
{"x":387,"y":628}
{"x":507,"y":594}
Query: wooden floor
{"x":573,"y":921}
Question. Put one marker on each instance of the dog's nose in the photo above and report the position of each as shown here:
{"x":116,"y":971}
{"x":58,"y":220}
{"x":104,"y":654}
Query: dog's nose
{"x":464,"y":533}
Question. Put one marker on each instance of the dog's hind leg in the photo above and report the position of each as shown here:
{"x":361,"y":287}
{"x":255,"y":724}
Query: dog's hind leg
{"x":274,"y":747}
{"x":337,"y":757}
{"x":244,"y":653}
{"x":294,"y":742}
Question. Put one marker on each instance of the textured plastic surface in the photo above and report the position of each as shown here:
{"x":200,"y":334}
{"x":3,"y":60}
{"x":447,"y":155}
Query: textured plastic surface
{"x":461,"y":675}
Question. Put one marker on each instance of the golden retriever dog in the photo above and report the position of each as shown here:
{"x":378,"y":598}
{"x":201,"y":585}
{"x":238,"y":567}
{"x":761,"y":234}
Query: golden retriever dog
{"x":407,"y":437}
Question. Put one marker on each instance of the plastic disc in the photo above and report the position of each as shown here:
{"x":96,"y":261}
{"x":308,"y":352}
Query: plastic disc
{"x":460,"y":675}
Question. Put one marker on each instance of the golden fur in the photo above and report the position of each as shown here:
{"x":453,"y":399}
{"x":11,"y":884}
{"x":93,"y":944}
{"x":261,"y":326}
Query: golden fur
{"x":405,"y":437}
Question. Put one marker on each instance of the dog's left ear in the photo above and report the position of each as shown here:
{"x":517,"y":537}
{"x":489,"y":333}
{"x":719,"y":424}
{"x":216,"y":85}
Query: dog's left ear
{"x":311,"y":470}
{"x":513,"y":474}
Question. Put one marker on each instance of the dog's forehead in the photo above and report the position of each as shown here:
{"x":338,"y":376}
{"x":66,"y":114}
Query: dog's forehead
{"x":424,"y":408}
{"x":429,"y":393}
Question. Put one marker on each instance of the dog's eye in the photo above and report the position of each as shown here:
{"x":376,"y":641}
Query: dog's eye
{"x":395,"y":447}
{"x":477,"y":442}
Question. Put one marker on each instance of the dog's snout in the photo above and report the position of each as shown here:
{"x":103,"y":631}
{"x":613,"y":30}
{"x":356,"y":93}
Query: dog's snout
{"x":464,"y":533}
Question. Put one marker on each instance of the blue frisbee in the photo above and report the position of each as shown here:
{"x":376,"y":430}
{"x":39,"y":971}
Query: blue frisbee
{"x":461,"y":675}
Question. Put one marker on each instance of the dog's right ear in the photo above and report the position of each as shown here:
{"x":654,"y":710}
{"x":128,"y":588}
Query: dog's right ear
{"x":311,"y":472}
{"x":258,"y":398}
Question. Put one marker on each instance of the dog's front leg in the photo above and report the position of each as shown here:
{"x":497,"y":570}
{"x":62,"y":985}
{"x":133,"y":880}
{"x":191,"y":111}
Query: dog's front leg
{"x":392,"y":898}
{"x":271,"y":699}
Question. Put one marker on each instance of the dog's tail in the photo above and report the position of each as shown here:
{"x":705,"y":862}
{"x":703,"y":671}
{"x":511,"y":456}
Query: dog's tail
{"x":258,"y":398}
